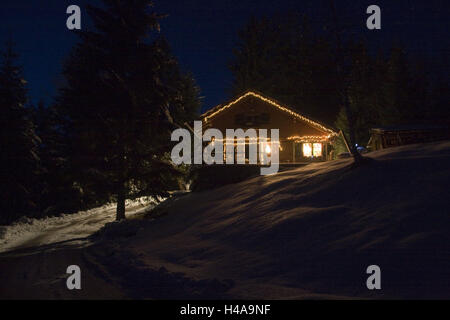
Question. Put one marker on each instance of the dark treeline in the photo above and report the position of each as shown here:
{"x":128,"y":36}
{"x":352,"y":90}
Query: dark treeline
{"x":106,"y":136}
{"x":286,"y":59}
{"x":19,"y":157}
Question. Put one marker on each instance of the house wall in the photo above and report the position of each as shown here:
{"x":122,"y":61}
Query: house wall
{"x":252,"y":112}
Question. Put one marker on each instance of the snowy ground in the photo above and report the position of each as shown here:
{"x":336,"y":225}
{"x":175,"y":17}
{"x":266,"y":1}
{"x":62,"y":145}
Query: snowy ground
{"x":308,"y":232}
{"x":311,"y":232}
{"x":78,"y":226}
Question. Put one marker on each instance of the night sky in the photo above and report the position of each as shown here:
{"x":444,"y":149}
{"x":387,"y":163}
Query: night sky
{"x":202,"y":34}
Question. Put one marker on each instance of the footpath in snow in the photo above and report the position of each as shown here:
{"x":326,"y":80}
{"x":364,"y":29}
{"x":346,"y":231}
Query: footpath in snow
{"x":76,"y":227}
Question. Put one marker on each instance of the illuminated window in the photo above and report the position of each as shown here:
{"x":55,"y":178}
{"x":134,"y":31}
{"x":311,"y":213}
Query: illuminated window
{"x":312,"y":150}
{"x":317,"y":149}
{"x":307,"y":150}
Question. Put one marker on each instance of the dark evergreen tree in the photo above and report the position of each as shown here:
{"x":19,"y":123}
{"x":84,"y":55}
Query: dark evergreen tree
{"x":396,"y":87}
{"x":362,"y":95}
{"x":342,"y":55}
{"x":390,"y":91}
{"x":57,"y":191}
{"x":18,"y":158}
{"x":281,"y":57}
{"x":125,"y":93}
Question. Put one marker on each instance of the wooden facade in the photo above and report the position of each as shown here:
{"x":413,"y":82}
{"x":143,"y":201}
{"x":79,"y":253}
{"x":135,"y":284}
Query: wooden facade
{"x":301,"y":139}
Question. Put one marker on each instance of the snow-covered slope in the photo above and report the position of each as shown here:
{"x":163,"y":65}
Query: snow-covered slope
{"x":317,"y":228}
{"x":309,"y":232}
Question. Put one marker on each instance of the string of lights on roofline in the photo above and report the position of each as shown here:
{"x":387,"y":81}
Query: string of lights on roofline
{"x":310,"y":138}
{"x":299,"y":116}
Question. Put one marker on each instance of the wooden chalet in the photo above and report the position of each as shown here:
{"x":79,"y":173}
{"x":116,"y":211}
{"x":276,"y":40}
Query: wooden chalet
{"x":301,"y":138}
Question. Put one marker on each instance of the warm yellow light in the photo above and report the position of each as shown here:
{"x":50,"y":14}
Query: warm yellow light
{"x":268,"y":150}
{"x":307,"y":150}
{"x":309,"y":138}
{"x":295,"y":114}
{"x":317,"y":149}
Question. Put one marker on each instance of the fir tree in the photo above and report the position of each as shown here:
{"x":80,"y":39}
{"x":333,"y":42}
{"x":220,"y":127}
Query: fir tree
{"x":18,"y":159}
{"x":362,"y":91}
{"x":57,"y":191}
{"x":125,"y":95}
{"x":283,"y":59}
